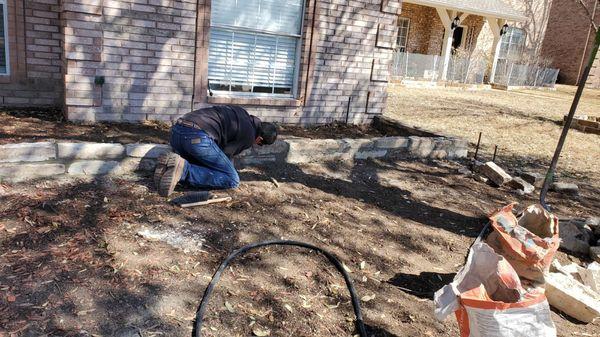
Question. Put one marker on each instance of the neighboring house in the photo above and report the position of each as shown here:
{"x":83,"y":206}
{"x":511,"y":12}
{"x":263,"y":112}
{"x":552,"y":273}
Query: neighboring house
{"x":569,"y":39}
{"x":443,"y":27}
{"x":292,"y":61}
{"x":552,"y":33}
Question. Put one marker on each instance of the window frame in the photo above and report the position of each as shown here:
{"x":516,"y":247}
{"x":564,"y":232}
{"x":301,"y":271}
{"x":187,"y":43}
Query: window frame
{"x":6,"y":46}
{"x":405,"y":19}
{"x":509,"y":43}
{"x":298,"y":59}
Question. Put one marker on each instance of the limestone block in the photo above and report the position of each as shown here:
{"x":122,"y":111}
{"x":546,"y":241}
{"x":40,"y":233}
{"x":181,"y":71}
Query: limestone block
{"x":421,"y":147}
{"x":90,"y":150}
{"x":522,"y":185}
{"x":391,"y":142}
{"x":148,"y":151}
{"x":94,"y":167}
{"x":27,"y":152}
{"x":495,"y":173}
{"x":130,"y":165}
{"x":565,"y":188}
{"x":571,"y":297}
{"x":23,"y":172}
{"x":573,"y":238}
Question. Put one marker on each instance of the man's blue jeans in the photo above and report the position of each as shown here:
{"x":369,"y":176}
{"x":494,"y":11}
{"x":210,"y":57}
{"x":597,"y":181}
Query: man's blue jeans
{"x":206,"y":165}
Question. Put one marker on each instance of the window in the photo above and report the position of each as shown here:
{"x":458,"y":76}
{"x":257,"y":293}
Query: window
{"x":403,"y":25}
{"x":512,"y":44}
{"x":3,"y":38}
{"x":254,"y":46}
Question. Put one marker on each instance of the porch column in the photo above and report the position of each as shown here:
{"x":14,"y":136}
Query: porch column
{"x":446,"y":16}
{"x":495,"y":26}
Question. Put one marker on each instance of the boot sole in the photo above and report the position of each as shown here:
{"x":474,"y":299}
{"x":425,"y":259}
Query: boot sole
{"x":171,"y":176}
{"x":161,"y":167}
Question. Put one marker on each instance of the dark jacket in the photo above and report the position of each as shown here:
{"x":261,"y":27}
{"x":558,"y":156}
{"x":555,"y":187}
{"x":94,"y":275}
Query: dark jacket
{"x":231,"y":127}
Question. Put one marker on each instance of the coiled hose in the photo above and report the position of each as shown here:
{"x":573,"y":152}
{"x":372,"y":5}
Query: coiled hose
{"x":338,"y":265}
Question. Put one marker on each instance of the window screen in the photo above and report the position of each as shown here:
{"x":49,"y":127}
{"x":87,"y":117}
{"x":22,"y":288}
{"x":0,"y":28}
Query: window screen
{"x":403,"y":25}
{"x":3,"y":38}
{"x":512,"y":44}
{"x":254,"y":45}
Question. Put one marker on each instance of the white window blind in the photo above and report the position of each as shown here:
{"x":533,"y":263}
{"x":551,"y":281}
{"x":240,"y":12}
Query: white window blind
{"x":254,"y":45}
{"x":3,"y":38}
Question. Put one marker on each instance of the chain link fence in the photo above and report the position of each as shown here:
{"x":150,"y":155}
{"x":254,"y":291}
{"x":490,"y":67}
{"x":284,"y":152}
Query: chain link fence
{"x":510,"y":73}
{"x":468,"y":70}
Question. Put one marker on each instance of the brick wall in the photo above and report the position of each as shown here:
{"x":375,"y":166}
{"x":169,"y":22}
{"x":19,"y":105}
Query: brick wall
{"x":426,"y":31}
{"x":568,"y":19}
{"x":343,"y":58}
{"x":352,"y":51}
{"x":143,"y":50}
{"x":35,"y":54}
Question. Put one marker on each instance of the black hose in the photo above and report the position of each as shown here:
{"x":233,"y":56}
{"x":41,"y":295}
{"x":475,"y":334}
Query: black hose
{"x":338,"y":265}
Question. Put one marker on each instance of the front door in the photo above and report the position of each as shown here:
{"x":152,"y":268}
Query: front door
{"x":458,"y":37}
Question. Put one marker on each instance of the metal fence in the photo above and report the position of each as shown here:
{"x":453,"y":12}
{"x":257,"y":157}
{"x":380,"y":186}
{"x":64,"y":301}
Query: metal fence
{"x":525,"y":75}
{"x":465,"y":70}
{"x":420,"y":67}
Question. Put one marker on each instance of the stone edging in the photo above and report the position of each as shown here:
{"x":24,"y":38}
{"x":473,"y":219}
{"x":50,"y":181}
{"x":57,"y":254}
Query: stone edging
{"x":588,"y":124}
{"x":25,"y":161}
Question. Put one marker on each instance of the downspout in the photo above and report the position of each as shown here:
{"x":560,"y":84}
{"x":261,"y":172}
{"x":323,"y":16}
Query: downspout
{"x":587,"y":41}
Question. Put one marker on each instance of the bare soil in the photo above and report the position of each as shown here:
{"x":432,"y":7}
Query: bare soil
{"x":73,"y":264}
{"x":525,"y":124}
{"x":30,"y":125}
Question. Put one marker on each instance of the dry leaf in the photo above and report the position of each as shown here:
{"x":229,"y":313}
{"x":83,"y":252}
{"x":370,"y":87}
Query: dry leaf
{"x":259,"y":332}
{"x":367,"y":298}
{"x":229,"y":307}
{"x":289,"y":308}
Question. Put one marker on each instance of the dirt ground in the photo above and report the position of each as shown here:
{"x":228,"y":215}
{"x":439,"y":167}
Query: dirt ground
{"x":73,"y":261}
{"x":27,"y":125}
{"x":525,"y":124}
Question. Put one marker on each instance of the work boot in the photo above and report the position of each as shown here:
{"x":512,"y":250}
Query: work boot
{"x":161,"y":167}
{"x":172,"y":175}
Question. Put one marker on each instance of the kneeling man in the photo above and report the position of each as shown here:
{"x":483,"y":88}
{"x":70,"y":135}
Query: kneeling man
{"x":204,"y":142}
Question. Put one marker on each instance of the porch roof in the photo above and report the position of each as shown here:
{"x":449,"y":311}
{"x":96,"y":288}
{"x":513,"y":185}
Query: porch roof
{"x":494,"y":8}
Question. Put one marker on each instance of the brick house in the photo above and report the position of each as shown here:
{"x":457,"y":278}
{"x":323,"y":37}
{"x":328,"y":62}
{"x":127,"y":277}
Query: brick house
{"x":556,"y":30}
{"x":292,"y":61}
{"x":569,"y":19}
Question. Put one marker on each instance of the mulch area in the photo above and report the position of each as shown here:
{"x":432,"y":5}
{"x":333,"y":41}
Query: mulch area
{"x":31,"y":125}
{"x":73,"y":263}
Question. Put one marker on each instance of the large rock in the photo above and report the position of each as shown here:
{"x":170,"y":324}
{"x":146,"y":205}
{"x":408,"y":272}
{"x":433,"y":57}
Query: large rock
{"x":571,"y":297}
{"x":23,"y":172}
{"x":90,"y":151}
{"x":13,"y":153}
{"x":495,"y":173}
{"x":591,"y":276}
{"x":574,"y":237}
{"x":533,"y":178}
{"x":146,"y":151}
{"x":521,"y":185}
{"x":94,"y":167}
{"x":565,"y":188}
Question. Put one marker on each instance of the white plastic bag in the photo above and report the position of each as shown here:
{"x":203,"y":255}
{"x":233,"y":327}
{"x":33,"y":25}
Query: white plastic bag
{"x":488,"y":299}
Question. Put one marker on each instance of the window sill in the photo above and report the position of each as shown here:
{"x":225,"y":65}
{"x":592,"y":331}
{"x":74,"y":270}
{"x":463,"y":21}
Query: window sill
{"x":268,"y":101}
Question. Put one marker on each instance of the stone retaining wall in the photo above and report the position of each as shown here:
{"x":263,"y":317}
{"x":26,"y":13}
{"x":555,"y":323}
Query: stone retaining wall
{"x":587,"y":124}
{"x":25,"y":161}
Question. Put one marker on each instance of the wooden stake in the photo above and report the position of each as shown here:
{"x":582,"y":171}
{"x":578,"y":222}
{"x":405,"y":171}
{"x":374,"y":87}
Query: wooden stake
{"x":207,"y":202}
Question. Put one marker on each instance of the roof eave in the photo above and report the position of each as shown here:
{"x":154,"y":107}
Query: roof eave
{"x":508,"y":17}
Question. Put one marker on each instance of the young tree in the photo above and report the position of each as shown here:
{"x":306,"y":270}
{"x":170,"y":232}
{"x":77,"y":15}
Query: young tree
{"x":569,"y":120}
